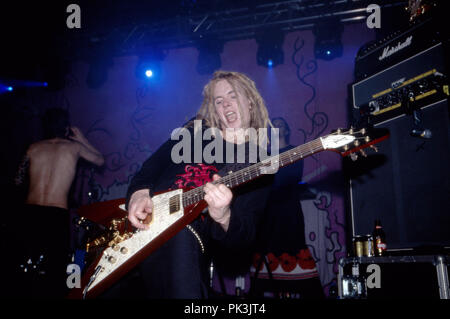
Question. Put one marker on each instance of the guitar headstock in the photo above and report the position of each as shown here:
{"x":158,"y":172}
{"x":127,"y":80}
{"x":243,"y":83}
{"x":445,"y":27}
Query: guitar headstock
{"x":353,"y":141}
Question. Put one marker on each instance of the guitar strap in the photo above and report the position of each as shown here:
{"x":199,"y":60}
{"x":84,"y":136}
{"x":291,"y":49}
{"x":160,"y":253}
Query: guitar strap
{"x":197,"y":236}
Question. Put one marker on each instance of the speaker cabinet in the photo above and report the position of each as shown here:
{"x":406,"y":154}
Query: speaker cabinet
{"x":406,"y":184}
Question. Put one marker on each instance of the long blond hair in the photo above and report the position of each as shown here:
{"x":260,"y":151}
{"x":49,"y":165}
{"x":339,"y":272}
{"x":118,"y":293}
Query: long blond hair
{"x":259,"y":116}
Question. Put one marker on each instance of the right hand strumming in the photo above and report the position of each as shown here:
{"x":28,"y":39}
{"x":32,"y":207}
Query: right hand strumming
{"x":140,"y":208}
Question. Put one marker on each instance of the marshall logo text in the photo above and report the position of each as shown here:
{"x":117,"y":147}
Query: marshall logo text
{"x":388,"y":51}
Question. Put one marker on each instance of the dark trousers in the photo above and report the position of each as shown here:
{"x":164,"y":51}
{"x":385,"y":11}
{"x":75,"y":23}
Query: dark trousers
{"x":37,"y":243}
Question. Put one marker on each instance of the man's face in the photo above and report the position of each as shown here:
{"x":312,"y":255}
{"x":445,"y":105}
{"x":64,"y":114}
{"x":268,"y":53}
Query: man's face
{"x":226,"y":104}
{"x":281,"y":126}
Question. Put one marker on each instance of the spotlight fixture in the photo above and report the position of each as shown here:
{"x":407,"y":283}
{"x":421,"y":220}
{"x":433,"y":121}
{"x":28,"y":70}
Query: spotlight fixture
{"x":209,"y":50}
{"x":270,"y":48}
{"x":328,"y":45}
{"x":98,"y":72}
{"x":100,"y":58}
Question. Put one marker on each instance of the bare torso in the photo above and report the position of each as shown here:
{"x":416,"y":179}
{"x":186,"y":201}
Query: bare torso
{"x":52,"y":170}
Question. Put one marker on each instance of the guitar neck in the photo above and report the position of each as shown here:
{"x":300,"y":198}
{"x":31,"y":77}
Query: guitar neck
{"x":254,"y":171}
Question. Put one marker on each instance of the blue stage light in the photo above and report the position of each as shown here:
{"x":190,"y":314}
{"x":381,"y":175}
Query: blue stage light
{"x":149,"y":65}
{"x":5,"y":88}
{"x":149,"y":73}
{"x":328,"y":43}
{"x":209,"y":51}
{"x":270,"y":48}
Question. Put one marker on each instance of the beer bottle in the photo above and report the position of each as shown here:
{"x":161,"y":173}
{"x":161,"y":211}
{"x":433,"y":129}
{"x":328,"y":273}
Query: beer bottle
{"x":379,"y":239}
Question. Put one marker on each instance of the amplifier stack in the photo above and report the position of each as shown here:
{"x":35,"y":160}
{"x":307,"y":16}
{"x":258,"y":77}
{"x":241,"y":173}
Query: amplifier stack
{"x":402,"y":84}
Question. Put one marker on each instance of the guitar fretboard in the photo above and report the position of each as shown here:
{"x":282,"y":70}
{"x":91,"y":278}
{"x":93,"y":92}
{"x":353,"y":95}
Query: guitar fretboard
{"x":254,"y":171}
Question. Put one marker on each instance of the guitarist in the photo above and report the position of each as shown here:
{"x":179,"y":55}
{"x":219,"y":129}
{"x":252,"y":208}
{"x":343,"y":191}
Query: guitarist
{"x":180,"y":268}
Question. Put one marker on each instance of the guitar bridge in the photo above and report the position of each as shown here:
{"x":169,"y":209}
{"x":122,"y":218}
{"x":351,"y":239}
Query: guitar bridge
{"x":167,"y":210}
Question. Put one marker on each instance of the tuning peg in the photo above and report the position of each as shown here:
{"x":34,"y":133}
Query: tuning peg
{"x":351,"y":131}
{"x":356,"y":143}
{"x":374,"y":148}
{"x":363,"y":153}
{"x":354,"y":156}
{"x":367,"y":139}
{"x":339,"y":131}
{"x":363,"y":131}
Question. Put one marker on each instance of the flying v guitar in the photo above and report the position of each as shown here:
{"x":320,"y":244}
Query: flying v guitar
{"x":175,"y":209}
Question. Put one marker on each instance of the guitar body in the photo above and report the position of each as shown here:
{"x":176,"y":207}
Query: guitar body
{"x":168,"y":218}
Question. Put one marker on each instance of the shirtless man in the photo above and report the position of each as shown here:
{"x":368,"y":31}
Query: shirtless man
{"x":52,"y":167}
{"x":42,"y":242}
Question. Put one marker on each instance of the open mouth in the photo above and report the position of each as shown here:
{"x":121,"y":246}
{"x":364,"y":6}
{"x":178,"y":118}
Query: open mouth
{"x":231,"y":117}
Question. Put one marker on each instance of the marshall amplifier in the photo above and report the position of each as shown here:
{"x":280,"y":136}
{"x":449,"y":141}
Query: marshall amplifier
{"x":402,"y":75}
{"x":378,"y":55}
{"x":402,"y":85}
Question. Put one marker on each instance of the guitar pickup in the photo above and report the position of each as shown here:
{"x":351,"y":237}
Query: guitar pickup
{"x":174,"y":204}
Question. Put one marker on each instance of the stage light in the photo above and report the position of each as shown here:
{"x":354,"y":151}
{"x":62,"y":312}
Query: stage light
{"x":328,"y":45}
{"x":270,"y":48}
{"x":149,"y":73}
{"x":12,"y":85}
{"x":209,"y":50}
{"x":98,"y":72}
{"x":54,"y":72}
{"x":28,"y":84}
{"x":6,"y":88}
{"x":147,"y":69}
{"x":149,"y":64}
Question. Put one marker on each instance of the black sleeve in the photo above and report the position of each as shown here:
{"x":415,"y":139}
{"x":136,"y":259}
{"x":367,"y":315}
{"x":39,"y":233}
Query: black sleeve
{"x":151,"y":170}
{"x":246,"y":212}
